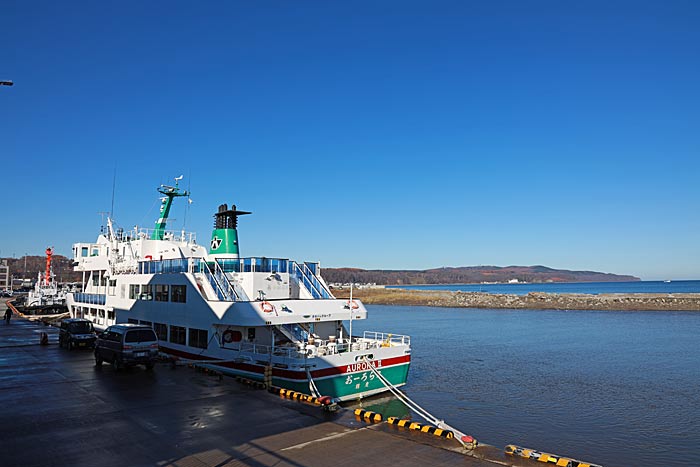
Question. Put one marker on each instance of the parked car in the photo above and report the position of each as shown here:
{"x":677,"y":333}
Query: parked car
{"x":76,"y":332}
{"x":127,"y":345}
{"x":6,"y":293}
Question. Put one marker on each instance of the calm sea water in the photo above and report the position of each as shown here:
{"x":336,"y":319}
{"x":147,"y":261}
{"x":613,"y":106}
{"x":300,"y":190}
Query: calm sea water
{"x":613,"y":388}
{"x":569,"y":287}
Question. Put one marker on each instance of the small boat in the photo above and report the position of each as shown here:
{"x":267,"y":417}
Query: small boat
{"x":272,"y":320}
{"x":47,"y":298}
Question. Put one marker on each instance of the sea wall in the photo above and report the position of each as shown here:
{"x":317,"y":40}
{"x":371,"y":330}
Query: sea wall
{"x":533,"y":300}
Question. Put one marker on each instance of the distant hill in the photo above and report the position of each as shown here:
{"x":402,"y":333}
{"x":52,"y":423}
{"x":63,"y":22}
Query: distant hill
{"x":468,"y":275}
{"x":62,"y":267}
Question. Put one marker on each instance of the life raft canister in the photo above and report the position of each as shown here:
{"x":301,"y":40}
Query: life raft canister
{"x":232,"y":336}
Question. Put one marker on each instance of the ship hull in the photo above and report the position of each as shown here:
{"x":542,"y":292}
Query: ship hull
{"x":343,"y":382}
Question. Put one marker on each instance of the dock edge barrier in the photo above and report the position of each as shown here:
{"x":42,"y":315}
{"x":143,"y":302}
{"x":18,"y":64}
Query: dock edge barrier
{"x":433,"y":430}
{"x":323,"y":401}
{"x":559,"y":461}
{"x":368,"y":416}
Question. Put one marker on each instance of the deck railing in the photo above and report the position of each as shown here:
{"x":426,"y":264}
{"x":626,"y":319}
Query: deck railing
{"x":165,"y":266}
{"x":220,"y":292}
{"x":387,"y":338}
{"x":254,"y":264}
{"x":90,"y":298}
{"x":308,"y":279}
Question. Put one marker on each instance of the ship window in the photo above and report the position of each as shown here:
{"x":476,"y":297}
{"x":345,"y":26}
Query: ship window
{"x":133,"y":321}
{"x":110,"y":314}
{"x":251,"y":334}
{"x":161,"y":331}
{"x":84,"y":251}
{"x":179,"y":294}
{"x":177,"y":335}
{"x":95,"y":252}
{"x":146,"y":323}
{"x":161,"y":293}
{"x":133,"y":291}
{"x":198,"y":338}
{"x":95,"y":279}
{"x":146,"y":292}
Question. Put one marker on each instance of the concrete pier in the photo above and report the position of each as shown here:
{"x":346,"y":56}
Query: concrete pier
{"x":58,"y":408}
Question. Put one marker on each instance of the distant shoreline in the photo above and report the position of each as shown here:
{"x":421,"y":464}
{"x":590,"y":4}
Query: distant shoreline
{"x":532,"y":300}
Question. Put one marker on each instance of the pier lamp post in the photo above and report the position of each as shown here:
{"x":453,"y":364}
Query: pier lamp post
{"x":6,"y":83}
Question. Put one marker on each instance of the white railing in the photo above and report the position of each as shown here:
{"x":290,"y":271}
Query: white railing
{"x":145,"y":233}
{"x":212,"y":280}
{"x":306,"y":277}
{"x":260,"y":349}
{"x":225,"y":283}
{"x":370,"y":340}
{"x":386,"y":338}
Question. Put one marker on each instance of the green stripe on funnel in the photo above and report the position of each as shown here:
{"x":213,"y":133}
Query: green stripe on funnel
{"x":224,"y":241}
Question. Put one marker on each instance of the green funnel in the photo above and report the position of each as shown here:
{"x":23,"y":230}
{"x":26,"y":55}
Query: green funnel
{"x":224,"y":238}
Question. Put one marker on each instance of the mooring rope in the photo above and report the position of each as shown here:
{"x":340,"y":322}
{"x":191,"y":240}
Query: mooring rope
{"x":414,"y":406}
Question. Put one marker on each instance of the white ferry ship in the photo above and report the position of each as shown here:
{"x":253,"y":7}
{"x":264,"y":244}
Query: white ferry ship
{"x":269,"y":319}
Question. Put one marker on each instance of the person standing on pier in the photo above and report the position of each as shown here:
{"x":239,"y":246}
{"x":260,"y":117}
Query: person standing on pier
{"x":8,"y":315}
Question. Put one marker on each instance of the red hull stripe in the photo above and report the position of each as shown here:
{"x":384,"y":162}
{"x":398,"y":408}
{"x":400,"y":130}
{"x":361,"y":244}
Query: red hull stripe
{"x":292,"y":374}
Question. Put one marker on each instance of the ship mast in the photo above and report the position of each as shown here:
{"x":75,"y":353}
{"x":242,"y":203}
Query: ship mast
{"x":49,"y":252}
{"x":170,"y":192}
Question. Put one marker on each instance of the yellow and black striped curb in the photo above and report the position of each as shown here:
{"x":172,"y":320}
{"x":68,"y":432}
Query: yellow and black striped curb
{"x":296,"y":396}
{"x":368,"y":416}
{"x":251,"y":382}
{"x":559,"y":461}
{"x":205,"y":370}
{"x":419,"y":427}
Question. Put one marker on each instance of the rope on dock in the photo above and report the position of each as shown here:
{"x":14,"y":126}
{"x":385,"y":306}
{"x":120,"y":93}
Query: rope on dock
{"x":468,"y":442}
{"x":410,"y":424}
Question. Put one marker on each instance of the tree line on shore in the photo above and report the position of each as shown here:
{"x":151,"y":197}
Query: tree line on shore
{"x":467,"y":275}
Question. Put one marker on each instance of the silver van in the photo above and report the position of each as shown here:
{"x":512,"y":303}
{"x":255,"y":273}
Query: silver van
{"x":127,"y":345}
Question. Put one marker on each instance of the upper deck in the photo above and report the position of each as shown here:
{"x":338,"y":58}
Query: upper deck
{"x":247,"y":279}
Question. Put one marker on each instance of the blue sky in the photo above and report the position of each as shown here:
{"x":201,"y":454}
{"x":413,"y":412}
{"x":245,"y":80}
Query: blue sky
{"x":390,"y":134}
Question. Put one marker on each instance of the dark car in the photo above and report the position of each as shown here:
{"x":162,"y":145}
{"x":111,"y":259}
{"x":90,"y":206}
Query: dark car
{"x":127,"y":345}
{"x":76,"y":332}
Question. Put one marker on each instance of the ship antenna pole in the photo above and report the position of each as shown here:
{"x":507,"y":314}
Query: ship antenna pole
{"x":114,"y":184}
{"x":350,"y":308}
{"x":189,"y":201}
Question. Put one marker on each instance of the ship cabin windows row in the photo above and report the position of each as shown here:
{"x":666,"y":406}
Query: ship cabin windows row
{"x":96,"y":315}
{"x":191,"y":337}
{"x":84,"y":250}
{"x":158,"y":292}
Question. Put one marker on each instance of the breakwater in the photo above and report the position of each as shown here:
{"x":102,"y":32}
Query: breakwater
{"x":532,"y":300}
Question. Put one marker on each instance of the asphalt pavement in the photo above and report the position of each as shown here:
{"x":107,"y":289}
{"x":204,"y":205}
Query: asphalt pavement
{"x":58,"y":408}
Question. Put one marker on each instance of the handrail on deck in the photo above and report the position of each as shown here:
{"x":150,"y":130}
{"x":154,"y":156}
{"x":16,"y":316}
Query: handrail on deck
{"x":89,"y":298}
{"x":303,"y":273}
